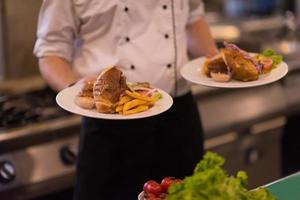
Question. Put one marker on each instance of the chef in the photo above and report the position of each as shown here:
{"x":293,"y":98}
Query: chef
{"x":149,"y":40}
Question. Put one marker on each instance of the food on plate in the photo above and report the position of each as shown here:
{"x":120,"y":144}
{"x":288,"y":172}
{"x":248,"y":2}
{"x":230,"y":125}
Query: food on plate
{"x":235,"y":63}
{"x":108,"y":88}
{"x":209,"y":181}
{"x":216,"y":68}
{"x":110,"y":93}
{"x":215,"y":64}
{"x":85,"y":98}
{"x":220,"y":77}
{"x":242,"y":66}
{"x":158,"y":191}
{"x":268,"y":59}
{"x":137,"y":98}
{"x":152,"y":187}
{"x":167,"y":181}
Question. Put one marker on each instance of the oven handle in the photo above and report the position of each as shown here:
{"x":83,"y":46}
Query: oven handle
{"x":53,"y":125}
{"x":256,"y":129}
{"x":268,"y":125}
{"x":220,"y":140}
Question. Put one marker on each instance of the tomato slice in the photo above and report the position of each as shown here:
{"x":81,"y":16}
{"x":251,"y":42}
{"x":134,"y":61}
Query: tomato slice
{"x":143,"y":92}
{"x":267,"y":64}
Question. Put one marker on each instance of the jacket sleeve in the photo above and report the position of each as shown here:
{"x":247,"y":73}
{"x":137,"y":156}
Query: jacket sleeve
{"x":196,"y":10}
{"x":56,"y":30}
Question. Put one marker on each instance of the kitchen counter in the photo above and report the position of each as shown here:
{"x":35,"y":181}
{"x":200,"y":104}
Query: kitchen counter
{"x":246,"y":126}
{"x":283,"y":189}
{"x":286,"y":188}
{"x":224,"y":110}
{"x":21,"y":85}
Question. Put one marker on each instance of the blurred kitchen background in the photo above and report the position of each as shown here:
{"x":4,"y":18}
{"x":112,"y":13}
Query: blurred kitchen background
{"x":256,"y":129}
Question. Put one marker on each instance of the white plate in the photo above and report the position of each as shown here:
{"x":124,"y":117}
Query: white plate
{"x":66,"y":100}
{"x":141,"y":195}
{"x":192,"y":71}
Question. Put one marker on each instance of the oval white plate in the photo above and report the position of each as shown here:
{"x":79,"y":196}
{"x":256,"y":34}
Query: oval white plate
{"x":66,"y":100}
{"x":192,"y":71}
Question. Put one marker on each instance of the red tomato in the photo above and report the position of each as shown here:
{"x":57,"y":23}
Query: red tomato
{"x":267,"y":64}
{"x":154,"y":198}
{"x":166,"y":182}
{"x":149,"y":195}
{"x":152,"y":187}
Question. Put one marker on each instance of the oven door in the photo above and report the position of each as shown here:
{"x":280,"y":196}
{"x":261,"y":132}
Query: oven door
{"x":42,"y":171}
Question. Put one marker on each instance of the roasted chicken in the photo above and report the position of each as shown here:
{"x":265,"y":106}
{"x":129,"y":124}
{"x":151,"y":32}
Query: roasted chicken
{"x":232,"y":62}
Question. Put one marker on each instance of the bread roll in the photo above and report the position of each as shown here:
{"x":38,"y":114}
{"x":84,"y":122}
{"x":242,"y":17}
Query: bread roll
{"x":85,"y":102}
{"x":85,"y":98}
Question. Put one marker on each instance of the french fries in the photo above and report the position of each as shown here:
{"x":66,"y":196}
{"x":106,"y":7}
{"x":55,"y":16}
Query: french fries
{"x":119,"y":108}
{"x":136,"y":110}
{"x":133,"y":102}
{"x":124,"y":99}
{"x":139,"y":96}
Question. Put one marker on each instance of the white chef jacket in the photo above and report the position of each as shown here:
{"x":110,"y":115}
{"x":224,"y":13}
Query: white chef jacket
{"x":146,"y":39}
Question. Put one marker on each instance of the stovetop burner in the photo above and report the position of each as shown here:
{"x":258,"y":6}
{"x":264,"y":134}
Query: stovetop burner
{"x":31,"y":107}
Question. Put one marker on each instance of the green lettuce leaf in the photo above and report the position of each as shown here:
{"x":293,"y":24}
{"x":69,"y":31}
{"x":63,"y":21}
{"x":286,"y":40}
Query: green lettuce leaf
{"x":157,"y":95}
{"x":270,"y":53}
{"x":211,"y":182}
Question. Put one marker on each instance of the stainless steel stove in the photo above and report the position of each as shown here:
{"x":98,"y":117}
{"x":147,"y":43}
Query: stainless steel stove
{"x":31,"y":107}
{"x":38,"y":145}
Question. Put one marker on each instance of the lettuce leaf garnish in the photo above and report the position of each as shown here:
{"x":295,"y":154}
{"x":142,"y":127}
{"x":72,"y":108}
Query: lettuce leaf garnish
{"x":211,"y":182}
{"x":270,"y":53}
{"x":157,"y":95}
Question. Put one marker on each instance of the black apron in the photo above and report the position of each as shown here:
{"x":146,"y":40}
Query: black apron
{"x":116,"y":157}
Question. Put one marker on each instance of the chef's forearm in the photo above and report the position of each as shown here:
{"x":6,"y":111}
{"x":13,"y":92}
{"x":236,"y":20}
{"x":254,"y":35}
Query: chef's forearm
{"x":57,"y":72}
{"x":200,"y":40}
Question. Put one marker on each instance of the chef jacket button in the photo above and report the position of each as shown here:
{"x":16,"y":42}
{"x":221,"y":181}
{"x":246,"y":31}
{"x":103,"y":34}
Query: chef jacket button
{"x":165,"y":7}
{"x":132,"y":67}
{"x":126,"y":9}
{"x":166,"y":36}
{"x":127,"y":39}
{"x":169,"y":65}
